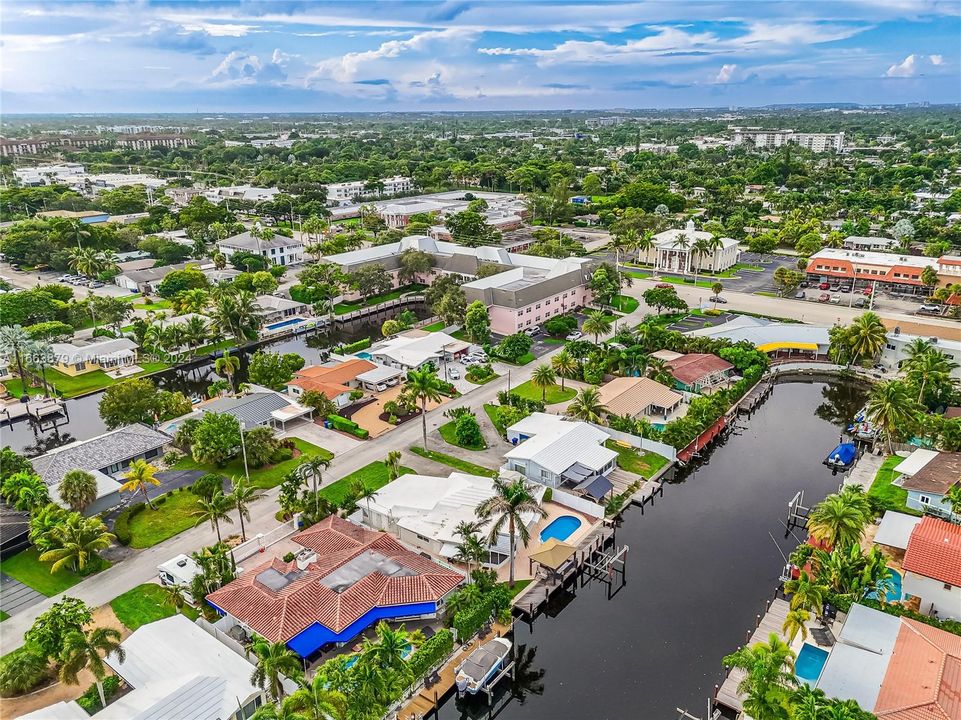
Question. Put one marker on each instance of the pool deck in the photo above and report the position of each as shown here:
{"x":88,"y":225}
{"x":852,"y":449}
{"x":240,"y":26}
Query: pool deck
{"x":522,"y":554}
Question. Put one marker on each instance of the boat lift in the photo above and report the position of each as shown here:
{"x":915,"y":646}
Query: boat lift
{"x":797,"y":512}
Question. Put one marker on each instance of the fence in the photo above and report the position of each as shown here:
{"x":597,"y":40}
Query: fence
{"x":577,"y":503}
{"x":380,"y":307}
{"x":662,"y":449}
{"x":260,"y":542}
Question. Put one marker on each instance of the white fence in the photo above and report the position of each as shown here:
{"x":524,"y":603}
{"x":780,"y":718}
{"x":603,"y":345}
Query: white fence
{"x":580,"y":504}
{"x":260,"y":541}
{"x":662,"y":449}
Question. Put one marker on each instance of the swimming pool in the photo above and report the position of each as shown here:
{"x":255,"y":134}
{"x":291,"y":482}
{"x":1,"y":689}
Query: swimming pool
{"x":893,"y":593}
{"x":284,"y":323}
{"x":561,"y":528}
{"x":810,"y":661}
{"x":363,"y":355}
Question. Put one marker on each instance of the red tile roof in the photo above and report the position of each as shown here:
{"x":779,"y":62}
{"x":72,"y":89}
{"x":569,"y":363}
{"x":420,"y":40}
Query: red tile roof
{"x":325,"y":388}
{"x":692,"y":367}
{"x":280,"y":614}
{"x":934,"y":551}
{"x":923,"y":678}
{"x":337,"y":374}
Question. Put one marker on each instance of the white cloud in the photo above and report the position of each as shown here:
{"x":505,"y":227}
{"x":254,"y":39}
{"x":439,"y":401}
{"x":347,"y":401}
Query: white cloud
{"x":219,"y":29}
{"x":936,"y":59}
{"x":905,"y":68}
{"x":240,"y":68}
{"x":725,"y":74}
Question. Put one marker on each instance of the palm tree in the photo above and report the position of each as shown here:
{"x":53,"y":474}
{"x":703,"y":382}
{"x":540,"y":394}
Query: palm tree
{"x":77,"y":540}
{"x":587,"y":406}
{"x":84,"y":261}
{"x":79,"y":230}
{"x":242,"y":495}
{"x":700,"y":249}
{"x":564,"y":365}
{"x":173,"y":596}
{"x":511,"y":500}
{"x":82,"y":651}
{"x":470,"y":549}
{"x":866,"y":336}
{"x":954,"y":498}
{"x":543,"y":377}
{"x":392,"y":463}
{"x":682,"y":242}
{"x":805,"y":592}
{"x":915,"y":349}
{"x":215,"y":510}
{"x":109,"y":262}
{"x":42,"y":356}
{"x":313,"y":468}
{"x":717,"y":288}
{"x":138,"y":477}
{"x":794,"y":624}
{"x":274,"y":662}
{"x":388,"y":649}
{"x":26,"y":492}
{"x":769,"y":677}
{"x":194,"y":332}
{"x":837,"y":520}
{"x":930,"y":368}
{"x":423,"y":385}
{"x":227,"y":365}
{"x":15,"y":342}
{"x":596,"y":324}
{"x":315,"y":701}
{"x":643,"y":243}
{"x":78,"y":489}
{"x":891,"y":409}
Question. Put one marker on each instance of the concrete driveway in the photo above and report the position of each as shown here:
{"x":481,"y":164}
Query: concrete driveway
{"x":317,"y":434}
{"x":368,"y":416}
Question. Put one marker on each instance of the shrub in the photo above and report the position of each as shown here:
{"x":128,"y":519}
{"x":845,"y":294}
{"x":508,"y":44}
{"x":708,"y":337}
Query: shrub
{"x":434,"y":649}
{"x":712,"y":312}
{"x":353,"y":347}
{"x":206,"y":485}
{"x":289,"y":557}
{"x":469,"y":620}
{"x":356,"y":394}
{"x":21,"y":671}
{"x":468,"y":432}
{"x":349,"y":426}
{"x":121,"y":526}
{"x":90,"y":700}
{"x":548,"y":495}
{"x":393,"y":419}
{"x":281,"y":454}
{"x":160,"y":500}
{"x":561,"y":325}
{"x":172,"y":457}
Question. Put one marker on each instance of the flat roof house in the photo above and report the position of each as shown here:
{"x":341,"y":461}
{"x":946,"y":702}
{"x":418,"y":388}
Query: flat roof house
{"x":274,"y":309}
{"x":932,"y":567}
{"x":344,"y":580}
{"x":105,"y":457}
{"x":414,"y":351}
{"x":145,"y":280}
{"x":279,"y":249}
{"x":699,"y":372}
{"x":107,"y":354}
{"x":928,"y":475}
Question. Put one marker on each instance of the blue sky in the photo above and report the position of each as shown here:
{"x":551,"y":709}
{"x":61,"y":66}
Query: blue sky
{"x":264,"y":55}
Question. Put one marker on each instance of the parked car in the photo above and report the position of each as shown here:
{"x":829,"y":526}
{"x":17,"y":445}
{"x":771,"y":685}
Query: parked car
{"x":824,"y":297}
{"x":576,"y":335}
{"x":717,"y":299}
{"x":860,"y":302}
{"x":453,"y":373}
{"x":836,"y":299}
{"x":804,"y":284}
{"x":381,"y":387}
{"x":393,"y":382}
{"x":470,"y":361}
{"x":95,"y":284}
{"x":664,"y":286}
{"x":868,"y":290}
{"x":799,"y":295}
{"x":929,"y":308}
{"x":824,"y":286}
{"x":532,"y":331}
{"x":845,"y":288}
{"x":64,"y":278}
{"x":478,"y":355}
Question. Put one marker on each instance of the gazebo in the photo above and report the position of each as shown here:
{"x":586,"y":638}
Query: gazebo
{"x":555,"y":555}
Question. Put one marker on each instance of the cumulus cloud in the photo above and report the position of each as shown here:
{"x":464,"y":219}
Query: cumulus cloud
{"x":241,"y":68}
{"x":905,"y":68}
{"x":936,"y":59}
{"x":725,"y":74}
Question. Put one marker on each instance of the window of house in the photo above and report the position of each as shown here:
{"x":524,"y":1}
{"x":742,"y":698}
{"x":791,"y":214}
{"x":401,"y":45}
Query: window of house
{"x":947,"y":586}
{"x":80,"y":366}
{"x":925,"y":500}
{"x":545,"y":474}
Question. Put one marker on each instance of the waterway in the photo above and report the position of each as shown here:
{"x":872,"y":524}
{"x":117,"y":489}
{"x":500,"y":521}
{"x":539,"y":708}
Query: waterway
{"x":84,"y":418}
{"x":700,"y":567}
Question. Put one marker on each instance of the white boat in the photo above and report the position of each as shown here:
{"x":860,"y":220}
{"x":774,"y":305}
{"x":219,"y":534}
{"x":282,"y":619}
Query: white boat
{"x":481,"y":666}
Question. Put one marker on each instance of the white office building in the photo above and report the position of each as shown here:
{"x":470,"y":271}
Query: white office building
{"x":347,"y":192}
{"x":762,"y":138}
{"x":673,"y":251}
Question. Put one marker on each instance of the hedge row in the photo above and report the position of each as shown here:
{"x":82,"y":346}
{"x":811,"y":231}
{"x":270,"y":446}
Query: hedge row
{"x":844,"y":603}
{"x":469,"y":620}
{"x":121,"y":526}
{"x":434,"y":649}
{"x":361,"y":344}
{"x":90,"y":700}
{"x":349,"y":426}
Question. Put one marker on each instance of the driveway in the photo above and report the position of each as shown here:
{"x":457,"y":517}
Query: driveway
{"x":368,"y":416}
{"x":15,"y":596}
{"x":317,"y":434}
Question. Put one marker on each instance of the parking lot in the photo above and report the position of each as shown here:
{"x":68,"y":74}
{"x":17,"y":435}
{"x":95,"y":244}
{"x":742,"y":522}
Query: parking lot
{"x":27,"y":280}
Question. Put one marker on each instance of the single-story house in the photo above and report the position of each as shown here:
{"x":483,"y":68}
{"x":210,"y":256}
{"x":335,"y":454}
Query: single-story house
{"x":415,"y":349}
{"x":639,"y":397}
{"x":346,"y":579}
{"x":894,"y":667}
{"x":699,"y":372}
{"x":336,"y":381}
{"x":928,"y":476}
{"x":780,"y":340}
{"x":424,"y":511}
{"x":178,"y":670}
{"x":147,"y":279}
{"x":274,"y":309}
{"x":932,"y":567}
{"x":895,"y":530}
{"x":260,"y":406}
{"x":106,"y":457}
{"x":279,"y":249}
{"x":554,"y":451}
{"x":101,"y":354}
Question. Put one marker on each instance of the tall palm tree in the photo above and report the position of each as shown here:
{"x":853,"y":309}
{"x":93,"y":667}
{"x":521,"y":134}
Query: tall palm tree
{"x":423,"y":385}
{"x":242,"y":495}
{"x":866,"y":336}
{"x":769,"y":677}
{"x":700,"y":249}
{"x":312,"y":468}
{"x":215,"y":510}
{"x":84,"y":261}
{"x":837,"y":520}
{"x":227,"y":365}
{"x":140,"y":475}
{"x":643,"y":243}
{"x":78,"y":489}
{"x":587,"y":406}
{"x":109,"y":262}
{"x":543,"y":377}
{"x":892,"y":409}
{"x":931,"y":368}
{"x":195,"y":332}
{"x":392,"y":463}
{"x":26,"y":492}
{"x":596,"y":324}
{"x":717,"y":288}
{"x":42,"y":356}
{"x":470,"y":549}
{"x":173,"y":596}
{"x":794,"y":623}
{"x":682,"y":242}
{"x":564,"y":365}
{"x":82,"y":651}
{"x":15,"y":343}
{"x":77,"y":541}
{"x":274,"y":662}
{"x":79,"y":230}
{"x":316,"y":701}
{"x":511,"y":500}
{"x":388,"y":649}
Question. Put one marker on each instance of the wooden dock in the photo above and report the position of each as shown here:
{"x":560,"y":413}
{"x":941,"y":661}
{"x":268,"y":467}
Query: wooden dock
{"x":36,"y":409}
{"x":771,"y":622}
{"x":426,"y":700}
{"x":755,"y":396}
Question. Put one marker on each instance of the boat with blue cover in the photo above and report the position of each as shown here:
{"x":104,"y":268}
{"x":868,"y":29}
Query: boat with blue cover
{"x":842,"y":457}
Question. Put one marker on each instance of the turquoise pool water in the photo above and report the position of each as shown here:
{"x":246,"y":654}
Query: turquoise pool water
{"x":810,"y":661}
{"x":363,"y":355}
{"x":284,"y":323}
{"x":894,"y":592}
{"x":561,"y":528}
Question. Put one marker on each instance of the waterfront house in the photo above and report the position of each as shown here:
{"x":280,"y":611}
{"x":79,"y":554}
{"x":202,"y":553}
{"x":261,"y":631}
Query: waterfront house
{"x":107,"y":354}
{"x":259,"y":406}
{"x":927,"y":476}
{"x":106,"y":457}
{"x":278,"y":250}
{"x":414,"y":349}
{"x":277,"y":309}
{"x":344,"y":580}
{"x":785,"y":341}
{"x":896,"y":344}
{"x":894,"y":667}
{"x":932,"y":567}
{"x":699,"y":372}
{"x":639,"y":397}
{"x":554,"y":451}
{"x":336,"y":380}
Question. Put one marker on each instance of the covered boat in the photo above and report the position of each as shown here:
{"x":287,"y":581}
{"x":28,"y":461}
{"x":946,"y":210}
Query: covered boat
{"x":842,"y":457}
{"x":482,"y":665}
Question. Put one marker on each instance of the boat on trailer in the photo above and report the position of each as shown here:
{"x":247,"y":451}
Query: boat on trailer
{"x":842,"y":457}
{"x":481,"y":666}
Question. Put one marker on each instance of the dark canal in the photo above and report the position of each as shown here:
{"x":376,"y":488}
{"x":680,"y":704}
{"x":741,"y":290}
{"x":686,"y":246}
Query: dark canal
{"x":700,"y":567}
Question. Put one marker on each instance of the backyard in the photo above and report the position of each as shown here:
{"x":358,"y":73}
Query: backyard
{"x":264,"y":477}
{"x":71,"y":386}
{"x":554,"y":393}
{"x":26,"y":567}
{"x":886,"y":492}
{"x":646,"y":463}
{"x":145,"y":604}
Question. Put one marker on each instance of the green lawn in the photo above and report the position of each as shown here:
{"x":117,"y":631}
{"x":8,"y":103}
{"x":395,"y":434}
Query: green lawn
{"x":71,"y":386}
{"x":265,"y":477}
{"x":554,"y":393}
{"x":460,"y":335}
{"x":159,"y":305}
{"x":626,"y":304}
{"x":173,"y":516}
{"x":346,"y":307}
{"x":522,"y":360}
{"x":145,"y":604}
{"x":748,"y":267}
{"x":482,"y":382}
{"x":765,"y":293}
{"x":3,"y":616}
{"x":890,"y":495}
{"x":451,"y":461}
{"x":435,"y":327}
{"x":215,"y":347}
{"x":26,"y":567}
{"x":646,"y":464}
{"x":374,"y":477}
{"x":519,"y":585}
{"x":493,"y":412}
{"x":448,"y":432}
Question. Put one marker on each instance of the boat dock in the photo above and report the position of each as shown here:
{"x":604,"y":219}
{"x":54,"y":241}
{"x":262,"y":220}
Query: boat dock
{"x":36,"y":409}
{"x":426,"y":699}
{"x":864,"y":471}
{"x":771,"y":622}
{"x":755,"y":396}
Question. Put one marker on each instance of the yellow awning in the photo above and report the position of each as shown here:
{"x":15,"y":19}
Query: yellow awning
{"x":553,"y":553}
{"x":772,"y":346}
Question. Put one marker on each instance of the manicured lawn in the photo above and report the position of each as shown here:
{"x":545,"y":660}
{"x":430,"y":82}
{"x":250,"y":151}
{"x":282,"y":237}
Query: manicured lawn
{"x":519,"y":586}
{"x":748,"y":267}
{"x":145,"y":604}
{"x":159,"y":305}
{"x":522,"y":360}
{"x":173,"y":516}
{"x":554,"y":393}
{"x":447,"y":431}
{"x":26,"y":567}
{"x":451,"y":461}
{"x":890,"y":495}
{"x":374,"y":477}
{"x":554,"y":341}
{"x":493,"y":412}
{"x":215,"y":347}
{"x":765,"y":293}
{"x":69,"y":386}
{"x":646,"y":464}
{"x":626,"y":304}
{"x":435,"y":327}
{"x":460,"y":335}
{"x":346,"y":307}
{"x":3,"y":616}
{"x":265,"y":477}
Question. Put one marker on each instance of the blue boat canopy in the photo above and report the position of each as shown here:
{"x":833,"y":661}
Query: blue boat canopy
{"x":843,"y":455}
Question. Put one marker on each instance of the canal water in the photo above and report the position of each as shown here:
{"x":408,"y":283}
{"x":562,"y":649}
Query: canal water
{"x":85,"y":422}
{"x":700,"y":567}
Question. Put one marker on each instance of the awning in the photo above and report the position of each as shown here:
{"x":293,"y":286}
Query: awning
{"x":577,"y":472}
{"x":596,"y":487}
{"x":553,"y":553}
{"x":379,"y":374}
{"x":772,"y":346}
{"x":448,"y":550}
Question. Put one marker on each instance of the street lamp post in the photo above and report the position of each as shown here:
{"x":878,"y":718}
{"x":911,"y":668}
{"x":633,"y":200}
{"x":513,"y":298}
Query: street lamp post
{"x":243,"y":449}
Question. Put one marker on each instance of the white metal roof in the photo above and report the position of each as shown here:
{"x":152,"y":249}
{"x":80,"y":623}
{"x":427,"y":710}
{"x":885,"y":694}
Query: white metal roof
{"x":561,"y":445}
{"x":414,"y":351}
{"x":913,"y":463}
{"x":379,"y":373}
{"x":58,"y":711}
{"x":895,"y":529}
